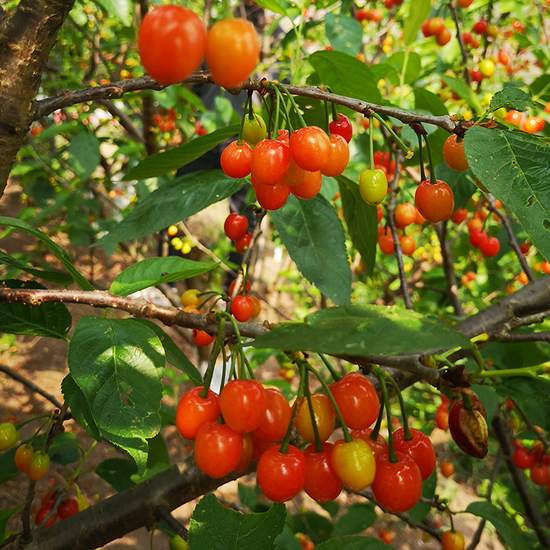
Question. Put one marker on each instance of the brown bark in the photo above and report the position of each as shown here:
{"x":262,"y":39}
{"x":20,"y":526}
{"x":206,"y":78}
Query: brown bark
{"x":26,"y":39}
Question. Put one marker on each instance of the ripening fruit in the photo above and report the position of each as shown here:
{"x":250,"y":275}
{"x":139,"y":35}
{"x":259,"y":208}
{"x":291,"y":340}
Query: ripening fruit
{"x":453,"y":154}
{"x":487,"y":68}
{"x":373,"y":186}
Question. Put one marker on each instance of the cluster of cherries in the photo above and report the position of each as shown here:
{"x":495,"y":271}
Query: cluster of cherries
{"x":436,"y":27}
{"x":531,"y":124}
{"x":291,"y":163}
{"x":67,"y":508}
{"x":167,"y":123}
{"x":256,"y":426}
{"x":405,"y":215}
{"x":535,"y":459}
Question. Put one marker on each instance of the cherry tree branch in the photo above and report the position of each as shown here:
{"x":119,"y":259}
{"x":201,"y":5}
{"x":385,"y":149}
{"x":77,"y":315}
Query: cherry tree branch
{"x":115,"y":90}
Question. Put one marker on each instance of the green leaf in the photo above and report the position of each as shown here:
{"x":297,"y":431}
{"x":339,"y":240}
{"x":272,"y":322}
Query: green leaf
{"x":364,"y":330}
{"x":176,"y":200}
{"x":346,"y":75}
{"x":117,"y":472}
{"x":119,"y":364}
{"x":344,"y":33}
{"x":5,"y":515}
{"x":49,"y":319}
{"x":463,"y":90}
{"x":356,"y":518}
{"x":8,"y":470}
{"x":312,"y":233}
{"x":248,"y":494}
{"x":422,"y":509}
{"x":122,"y":9}
{"x":362,"y":221}
{"x":515,"y":168}
{"x":353,"y":542}
{"x":155,"y":271}
{"x":511,"y":98}
{"x":412,"y":70}
{"x":58,"y":252}
{"x":417,"y":15}
{"x":531,"y":394}
{"x":507,"y":528}
{"x":215,"y":526}
{"x":64,"y":449}
{"x":173,"y":353}
{"x":78,"y":405}
{"x":84,"y":155}
{"x":318,"y":527}
{"x":540,"y":88}
{"x":427,"y":101}
{"x":460,"y":182}
{"x":55,"y":277}
{"x":168,"y":161}
{"x":272,"y":5}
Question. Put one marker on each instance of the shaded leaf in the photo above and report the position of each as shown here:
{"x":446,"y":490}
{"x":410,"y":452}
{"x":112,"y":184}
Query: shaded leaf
{"x":55,"y":277}
{"x":346,"y":75}
{"x":155,"y":271}
{"x":344,"y":33}
{"x":463,"y":90}
{"x":507,"y":528}
{"x":48,"y":319}
{"x":215,"y":526}
{"x":412,"y":68}
{"x":58,"y":252}
{"x":64,"y":449}
{"x":174,"y":201}
{"x":173,"y":353}
{"x":353,"y":542}
{"x":312,"y":232}
{"x":422,"y":509}
{"x":511,"y":98}
{"x":364,"y":330}
{"x":515,"y":168}
{"x":84,"y":155}
{"x":355,"y":519}
{"x":5,"y":515}
{"x":117,"y":472}
{"x":78,"y":405}
{"x":429,"y":102}
{"x":540,"y":88}
{"x":361,"y":220}
{"x":272,"y":5}
{"x":531,"y":395}
{"x":168,"y":161}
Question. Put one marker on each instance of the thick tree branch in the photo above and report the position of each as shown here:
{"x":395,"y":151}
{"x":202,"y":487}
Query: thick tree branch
{"x":124,"y":512}
{"x":26,"y":39}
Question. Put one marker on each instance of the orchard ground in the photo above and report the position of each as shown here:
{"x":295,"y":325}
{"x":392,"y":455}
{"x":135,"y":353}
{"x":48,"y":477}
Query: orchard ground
{"x":43,"y":361}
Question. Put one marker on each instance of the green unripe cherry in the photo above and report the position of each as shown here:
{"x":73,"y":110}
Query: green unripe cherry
{"x":9,"y":436}
{"x":254,"y":130}
{"x":177,"y":543}
{"x":373,"y":186}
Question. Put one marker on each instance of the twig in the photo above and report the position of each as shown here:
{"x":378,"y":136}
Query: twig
{"x":31,"y":385}
{"x":480,"y":528}
{"x":532,"y":512}
{"x":512,"y":238}
{"x":163,"y":514}
{"x":393,"y":228}
{"x":450,"y":275}
{"x":466,"y":73}
{"x":543,"y":336}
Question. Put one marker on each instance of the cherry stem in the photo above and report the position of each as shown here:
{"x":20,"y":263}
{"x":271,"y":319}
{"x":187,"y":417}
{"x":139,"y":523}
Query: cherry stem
{"x":327,"y":119}
{"x":393,"y":456}
{"x":19,"y":426}
{"x":378,"y":425}
{"x":371,"y":141}
{"x":241,"y":129}
{"x":250,"y":106}
{"x":276,"y":123}
{"x":407,"y":152}
{"x":452,"y":523}
{"x":468,"y":403}
{"x":210,"y":371}
{"x":335,"y":114}
{"x":294,"y":105}
{"x":433,"y":181}
{"x":347,"y":436}
{"x":329,"y":366}
{"x":422,"y":170}
{"x":406,"y":432}
{"x":285,"y":108}
{"x":307,"y":393}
